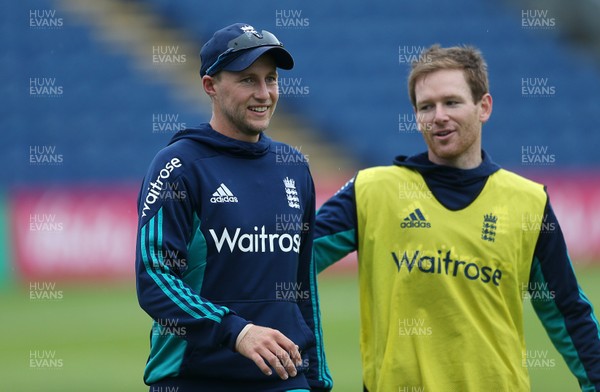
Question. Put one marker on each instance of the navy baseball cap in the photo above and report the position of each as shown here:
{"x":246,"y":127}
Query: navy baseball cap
{"x":236,"y":47}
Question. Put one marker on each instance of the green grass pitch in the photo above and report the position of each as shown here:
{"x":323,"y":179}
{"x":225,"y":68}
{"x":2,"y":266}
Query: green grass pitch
{"x":95,"y":338}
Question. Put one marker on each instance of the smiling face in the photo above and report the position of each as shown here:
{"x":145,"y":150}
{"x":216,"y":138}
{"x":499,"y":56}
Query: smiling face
{"x":244,"y":102}
{"x":449,"y":119}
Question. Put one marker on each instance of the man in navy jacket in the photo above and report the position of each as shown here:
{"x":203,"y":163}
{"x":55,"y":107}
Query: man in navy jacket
{"x":224,"y":250}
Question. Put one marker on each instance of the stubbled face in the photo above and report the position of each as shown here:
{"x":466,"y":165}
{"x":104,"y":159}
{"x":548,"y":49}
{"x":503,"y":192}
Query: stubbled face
{"x":244,"y":102}
{"x":449,"y":119}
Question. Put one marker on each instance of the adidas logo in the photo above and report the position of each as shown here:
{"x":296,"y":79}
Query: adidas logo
{"x":415,"y":220}
{"x":223,"y":195}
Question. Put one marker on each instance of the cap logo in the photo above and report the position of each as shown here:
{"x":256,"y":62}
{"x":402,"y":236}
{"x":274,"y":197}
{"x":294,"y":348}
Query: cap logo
{"x":251,"y":30}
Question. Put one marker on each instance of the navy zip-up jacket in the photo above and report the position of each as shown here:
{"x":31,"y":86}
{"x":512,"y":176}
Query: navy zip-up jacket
{"x":224,"y":239}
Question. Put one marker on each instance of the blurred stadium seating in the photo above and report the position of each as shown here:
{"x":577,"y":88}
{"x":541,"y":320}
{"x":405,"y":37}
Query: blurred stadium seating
{"x":348,"y":56}
{"x":101,"y":123}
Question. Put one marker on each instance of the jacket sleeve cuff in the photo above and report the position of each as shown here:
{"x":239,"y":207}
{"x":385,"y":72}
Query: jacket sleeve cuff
{"x":232,"y":325}
{"x":241,"y":335}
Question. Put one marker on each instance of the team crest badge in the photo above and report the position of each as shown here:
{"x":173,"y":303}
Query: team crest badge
{"x":488,"y":231}
{"x":291,"y":193}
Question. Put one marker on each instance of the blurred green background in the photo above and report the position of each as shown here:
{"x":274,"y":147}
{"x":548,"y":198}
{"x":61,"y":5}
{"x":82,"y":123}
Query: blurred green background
{"x":101,"y":337}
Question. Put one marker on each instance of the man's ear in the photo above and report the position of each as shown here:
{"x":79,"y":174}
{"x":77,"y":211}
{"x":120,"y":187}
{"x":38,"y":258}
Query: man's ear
{"x":485,"y":105}
{"x":208,"y":83}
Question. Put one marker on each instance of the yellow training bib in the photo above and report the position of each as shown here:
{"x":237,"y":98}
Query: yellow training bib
{"x":442,"y":291}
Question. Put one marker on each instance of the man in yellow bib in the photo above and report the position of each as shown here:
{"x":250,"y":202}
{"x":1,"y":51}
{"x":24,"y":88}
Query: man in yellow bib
{"x":449,"y":244}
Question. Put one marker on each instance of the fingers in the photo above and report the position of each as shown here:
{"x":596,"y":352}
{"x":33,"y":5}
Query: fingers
{"x":268,"y":346}
{"x":284,"y":364}
{"x":295,"y":355}
{"x":274,"y":348}
{"x":258,"y":360}
{"x":281,"y":363}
